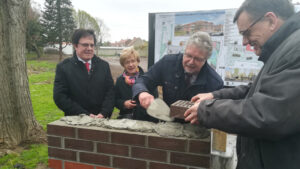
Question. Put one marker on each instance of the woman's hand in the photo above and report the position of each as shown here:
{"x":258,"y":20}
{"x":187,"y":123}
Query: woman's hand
{"x":129,"y":104}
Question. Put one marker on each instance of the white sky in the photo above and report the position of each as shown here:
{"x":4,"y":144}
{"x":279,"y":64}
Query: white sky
{"x":129,"y":18}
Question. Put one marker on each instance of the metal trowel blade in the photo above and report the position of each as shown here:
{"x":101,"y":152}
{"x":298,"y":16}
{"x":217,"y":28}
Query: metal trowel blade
{"x":160,"y":110}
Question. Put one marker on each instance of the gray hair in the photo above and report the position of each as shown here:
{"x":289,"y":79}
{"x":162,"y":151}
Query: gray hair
{"x":202,"y":41}
{"x":257,"y":8}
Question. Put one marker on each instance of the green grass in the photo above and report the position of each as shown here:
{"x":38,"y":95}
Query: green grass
{"x":36,"y":154}
{"x":31,"y":56}
{"x":41,"y":76}
{"x":41,"y":90}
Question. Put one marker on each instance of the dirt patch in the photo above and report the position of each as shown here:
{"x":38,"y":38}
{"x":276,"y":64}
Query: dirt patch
{"x":52,"y":57}
{"x":42,"y":166}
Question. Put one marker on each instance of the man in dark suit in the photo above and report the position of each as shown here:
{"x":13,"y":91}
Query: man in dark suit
{"x":83,"y":83}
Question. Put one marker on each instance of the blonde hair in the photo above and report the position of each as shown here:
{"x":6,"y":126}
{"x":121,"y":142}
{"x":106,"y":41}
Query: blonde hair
{"x":128,"y":52}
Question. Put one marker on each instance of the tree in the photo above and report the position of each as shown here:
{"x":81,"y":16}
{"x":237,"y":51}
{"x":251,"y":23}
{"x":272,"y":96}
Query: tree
{"x":103,"y":34}
{"x":58,"y":23}
{"x":85,"y":21}
{"x":106,"y":43}
{"x":17,"y":121}
{"x":34,"y":32}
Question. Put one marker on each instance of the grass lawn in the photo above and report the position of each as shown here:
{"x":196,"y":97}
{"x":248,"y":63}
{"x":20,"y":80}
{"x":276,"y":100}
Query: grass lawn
{"x":41,"y":76}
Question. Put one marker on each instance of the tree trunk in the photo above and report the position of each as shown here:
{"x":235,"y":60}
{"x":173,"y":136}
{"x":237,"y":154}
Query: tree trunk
{"x":60,"y":51}
{"x":37,"y":50}
{"x":17,"y":121}
{"x":59,"y":18}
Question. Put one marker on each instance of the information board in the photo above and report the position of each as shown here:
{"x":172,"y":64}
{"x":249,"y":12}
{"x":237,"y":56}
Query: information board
{"x":235,"y":63}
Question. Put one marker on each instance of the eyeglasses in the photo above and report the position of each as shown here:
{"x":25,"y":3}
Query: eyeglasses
{"x":245,"y":33}
{"x":86,"y":45}
{"x":197,"y":59}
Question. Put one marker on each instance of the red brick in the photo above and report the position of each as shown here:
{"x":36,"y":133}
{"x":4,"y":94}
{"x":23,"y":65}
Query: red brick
{"x":94,"y":159}
{"x":54,"y":141}
{"x":54,"y":164}
{"x":62,"y":154}
{"x":164,"y":166}
{"x":191,"y":160}
{"x":94,"y":135}
{"x":79,"y":144}
{"x":113,"y":149}
{"x":167,"y":143}
{"x":150,"y":154}
{"x":198,"y":146}
{"x":103,"y":168}
{"x":128,"y":139}
{"x":127,"y":163}
{"x":70,"y":165}
{"x":60,"y":131}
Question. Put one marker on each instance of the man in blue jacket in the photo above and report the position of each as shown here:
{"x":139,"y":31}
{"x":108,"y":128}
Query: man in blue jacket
{"x":181,"y":76}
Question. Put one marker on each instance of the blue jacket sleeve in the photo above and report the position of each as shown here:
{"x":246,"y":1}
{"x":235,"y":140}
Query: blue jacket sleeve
{"x":150,"y":80}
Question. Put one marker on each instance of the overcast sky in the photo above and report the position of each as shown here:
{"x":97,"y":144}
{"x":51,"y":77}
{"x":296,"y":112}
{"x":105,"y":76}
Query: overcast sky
{"x":129,"y":18}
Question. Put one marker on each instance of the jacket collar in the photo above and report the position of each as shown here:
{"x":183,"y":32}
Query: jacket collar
{"x":289,"y":26}
{"x":201,"y":78}
{"x":179,"y":68}
{"x":141,"y":71}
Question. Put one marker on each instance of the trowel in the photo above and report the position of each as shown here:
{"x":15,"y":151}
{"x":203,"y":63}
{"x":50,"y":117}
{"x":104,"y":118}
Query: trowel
{"x":160,"y":110}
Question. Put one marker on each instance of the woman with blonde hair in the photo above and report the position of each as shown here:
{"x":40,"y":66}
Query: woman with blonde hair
{"x":129,"y":59}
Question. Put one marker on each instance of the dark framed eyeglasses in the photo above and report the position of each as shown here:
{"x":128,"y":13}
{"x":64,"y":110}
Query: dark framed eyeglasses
{"x":245,"y":33}
{"x":86,"y":45}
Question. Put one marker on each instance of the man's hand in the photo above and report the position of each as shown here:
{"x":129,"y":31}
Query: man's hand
{"x":100,"y":116}
{"x":129,"y":104}
{"x":191,"y":114}
{"x":202,"y":96}
{"x":145,"y":99}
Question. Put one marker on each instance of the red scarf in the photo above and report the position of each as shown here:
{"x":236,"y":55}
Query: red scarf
{"x":130,"y":80}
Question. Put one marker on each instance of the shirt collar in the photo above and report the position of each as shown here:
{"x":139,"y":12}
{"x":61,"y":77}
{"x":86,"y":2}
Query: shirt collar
{"x":193,"y":77}
{"x":90,"y":61}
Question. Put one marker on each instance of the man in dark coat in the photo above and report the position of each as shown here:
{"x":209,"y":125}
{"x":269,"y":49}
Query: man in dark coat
{"x":265,"y":114}
{"x":181,"y":76}
{"x":83,"y":83}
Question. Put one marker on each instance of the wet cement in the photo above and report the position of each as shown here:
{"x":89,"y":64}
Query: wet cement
{"x":165,"y":129}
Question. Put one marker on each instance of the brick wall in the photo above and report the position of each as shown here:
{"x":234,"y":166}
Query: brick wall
{"x":75,"y":147}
